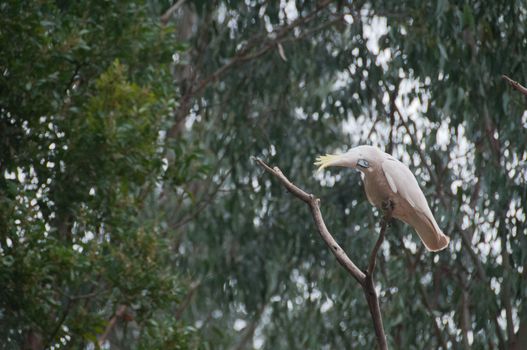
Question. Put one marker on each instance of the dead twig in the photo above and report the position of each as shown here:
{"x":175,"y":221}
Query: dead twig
{"x":365,"y":279}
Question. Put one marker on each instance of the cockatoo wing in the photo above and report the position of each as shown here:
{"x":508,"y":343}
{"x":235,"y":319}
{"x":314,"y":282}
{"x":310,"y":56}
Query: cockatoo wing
{"x":405,"y":183}
{"x":402,"y":181}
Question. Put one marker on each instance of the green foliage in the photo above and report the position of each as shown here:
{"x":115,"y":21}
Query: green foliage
{"x":85,"y":99}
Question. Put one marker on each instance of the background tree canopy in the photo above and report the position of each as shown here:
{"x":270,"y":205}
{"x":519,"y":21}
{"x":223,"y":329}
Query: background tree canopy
{"x":132,"y":216}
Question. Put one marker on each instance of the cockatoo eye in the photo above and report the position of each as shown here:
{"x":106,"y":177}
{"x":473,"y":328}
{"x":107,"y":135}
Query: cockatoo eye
{"x":363,"y":163}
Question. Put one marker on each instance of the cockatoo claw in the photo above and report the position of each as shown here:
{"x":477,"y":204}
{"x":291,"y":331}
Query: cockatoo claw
{"x":387,"y":205}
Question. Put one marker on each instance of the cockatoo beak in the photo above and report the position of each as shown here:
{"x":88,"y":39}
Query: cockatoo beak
{"x":329,"y":160}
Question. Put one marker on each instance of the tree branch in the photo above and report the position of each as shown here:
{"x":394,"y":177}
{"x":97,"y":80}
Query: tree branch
{"x":202,"y":204}
{"x":416,"y":144}
{"x":373,"y":257}
{"x":248,"y":53}
{"x":59,"y":324}
{"x":364,"y":279}
{"x":393,"y":97}
{"x":249,"y":330}
{"x":375,"y":311}
{"x":369,"y":287}
{"x":314,"y":205}
{"x":515,"y":84}
{"x":166,"y":16}
{"x":188,"y":298}
{"x":430,"y":310}
{"x":465,"y":314}
{"x":121,"y":310}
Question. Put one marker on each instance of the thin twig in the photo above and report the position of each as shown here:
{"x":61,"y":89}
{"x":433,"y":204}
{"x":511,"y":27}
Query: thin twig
{"x":515,"y":84}
{"x":372,"y":129}
{"x":393,"y":98}
{"x":307,"y":33}
{"x":188,"y":298}
{"x":373,"y":256}
{"x":119,"y":313}
{"x":416,"y":144}
{"x":364,"y":279}
{"x":83,"y":296}
{"x":204,"y":203}
{"x":166,"y":16}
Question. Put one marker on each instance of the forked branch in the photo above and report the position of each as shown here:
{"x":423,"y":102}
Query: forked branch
{"x":365,"y":279}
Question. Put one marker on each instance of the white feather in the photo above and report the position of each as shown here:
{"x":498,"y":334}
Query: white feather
{"x":391,"y":182}
{"x":405,"y":181}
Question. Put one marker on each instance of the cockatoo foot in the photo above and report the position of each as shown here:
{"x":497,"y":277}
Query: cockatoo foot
{"x":387,"y":208}
{"x":387,"y":205}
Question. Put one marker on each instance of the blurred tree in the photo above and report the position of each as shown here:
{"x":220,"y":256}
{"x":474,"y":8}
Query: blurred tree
{"x":86,"y":94}
{"x":292,"y":79}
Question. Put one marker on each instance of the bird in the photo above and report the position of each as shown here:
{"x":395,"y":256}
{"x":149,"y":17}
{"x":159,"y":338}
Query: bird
{"x":390,"y":184}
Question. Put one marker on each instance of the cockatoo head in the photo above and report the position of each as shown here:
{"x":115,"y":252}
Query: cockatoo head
{"x":360,"y":158}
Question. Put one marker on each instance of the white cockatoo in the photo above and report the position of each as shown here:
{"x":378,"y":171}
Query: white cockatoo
{"x":387,"y":180}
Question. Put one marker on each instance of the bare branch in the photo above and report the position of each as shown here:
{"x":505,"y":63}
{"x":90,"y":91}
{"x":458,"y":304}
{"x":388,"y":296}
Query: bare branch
{"x":465,"y":312}
{"x":314,"y":203}
{"x":375,"y":311}
{"x":373,"y":256}
{"x":393,"y":97}
{"x":83,"y":296}
{"x":515,"y":84}
{"x":369,"y":287}
{"x":364,"y":279}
